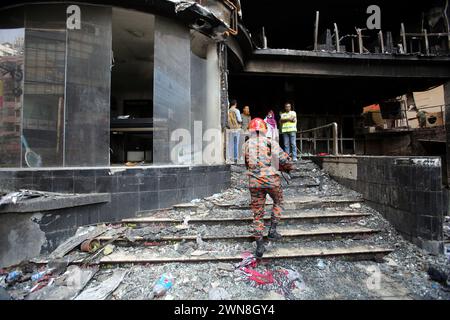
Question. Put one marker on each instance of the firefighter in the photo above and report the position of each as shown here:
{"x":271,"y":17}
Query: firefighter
{"x":264,"y":159}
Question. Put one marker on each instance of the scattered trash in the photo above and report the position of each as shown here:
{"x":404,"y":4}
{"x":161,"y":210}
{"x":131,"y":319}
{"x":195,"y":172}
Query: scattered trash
{"x":218,"y":294}
{"x":199,"y":241}
{"x":248,"y":260}
{"x":447,"y":252}
{"x":108,"y":249}
{"x":362,"y":223}
{"x":13,"y":276}
{"x":4,"y":295}
{"x":226,"y":267}
{"x":198,"y":253}
{"x":15,"y":197}
{"x":40,"y":275}
{"x":186,"y":221}
{"x":104,"y":289}
{"x":390,"y":262}
{"x":78,"y":239}
{"x":90,"y":245}
{"x":152,"y":244}
{"x":221,"y":280}
{"x":259,"y":278}
{"x":182,"y":227}
{"x":321,"y":264}
{"x":163,"y":285}
{"x":355,"y":206}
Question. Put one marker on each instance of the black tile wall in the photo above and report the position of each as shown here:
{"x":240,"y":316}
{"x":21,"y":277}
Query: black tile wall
{"x":411,"y":197}
{"x":131,"y":190}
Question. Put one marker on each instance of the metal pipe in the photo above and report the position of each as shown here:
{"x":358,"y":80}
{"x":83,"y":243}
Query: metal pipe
{"x":264,"y":38}
{"x":316,"y":32}
{"x":403,"y":35}
{"x":336,"y":35}
{"x":334,"y":126}
{"x":381,"y":38}
{"x":360,"y":40}
{"x":447,"y":22}
{"x":335,"y":138}
{"x":427,"y":46}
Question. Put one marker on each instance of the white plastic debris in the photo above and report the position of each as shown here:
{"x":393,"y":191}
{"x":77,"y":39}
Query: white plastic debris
{"x":355,"y":206}
{"x":321,"y":264}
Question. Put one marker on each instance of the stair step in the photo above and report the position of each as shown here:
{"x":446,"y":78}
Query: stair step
{"x":316,"y":216}
{"x":356,"y":252}
{"x":323,"y":232}
{"x":289,"y":203}
{"x":306,"y":203}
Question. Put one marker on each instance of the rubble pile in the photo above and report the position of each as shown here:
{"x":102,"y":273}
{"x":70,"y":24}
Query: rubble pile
{"x":78,"y":269}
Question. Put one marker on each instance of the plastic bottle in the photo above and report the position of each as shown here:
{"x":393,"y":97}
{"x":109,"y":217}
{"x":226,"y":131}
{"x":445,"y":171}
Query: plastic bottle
{"x":163,"y":285}
{"x":13,"y":276}
{"x":38,"y":276}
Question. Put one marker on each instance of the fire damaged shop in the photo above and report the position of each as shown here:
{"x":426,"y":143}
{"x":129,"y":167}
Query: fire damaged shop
{"x":113,"y":102}
{"x":123,"y":122}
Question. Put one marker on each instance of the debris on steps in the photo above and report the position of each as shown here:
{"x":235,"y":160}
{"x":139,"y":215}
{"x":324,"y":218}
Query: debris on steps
{"x":357,"y":252}
{"x":325,"y":232}
{"x":333,"y":243}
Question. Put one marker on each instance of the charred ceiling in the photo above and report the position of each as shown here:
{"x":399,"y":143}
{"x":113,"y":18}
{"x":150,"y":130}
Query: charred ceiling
{"x":289,"y":24}
{"x":339,"y":78}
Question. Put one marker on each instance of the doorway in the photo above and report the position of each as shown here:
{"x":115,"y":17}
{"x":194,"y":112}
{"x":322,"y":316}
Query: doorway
{"x":132,"y":87}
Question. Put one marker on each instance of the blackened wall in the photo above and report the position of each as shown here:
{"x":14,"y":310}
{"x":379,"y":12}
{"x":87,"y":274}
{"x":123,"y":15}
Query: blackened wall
{"x":407,"y":191}
{"x":132,"y":190}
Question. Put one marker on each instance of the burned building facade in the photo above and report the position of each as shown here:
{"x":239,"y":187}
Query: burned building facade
{"x":115,"y":99}
{"x":122,"y":104}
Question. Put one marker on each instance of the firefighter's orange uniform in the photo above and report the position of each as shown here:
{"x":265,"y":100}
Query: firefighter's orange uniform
{"x":264,"y":159}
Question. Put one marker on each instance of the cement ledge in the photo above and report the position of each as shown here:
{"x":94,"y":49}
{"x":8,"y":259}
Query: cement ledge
{"x":56,"y":202}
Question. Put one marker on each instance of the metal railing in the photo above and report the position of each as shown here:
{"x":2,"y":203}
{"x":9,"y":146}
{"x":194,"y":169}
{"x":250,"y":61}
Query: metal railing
{"x":334,"y":128}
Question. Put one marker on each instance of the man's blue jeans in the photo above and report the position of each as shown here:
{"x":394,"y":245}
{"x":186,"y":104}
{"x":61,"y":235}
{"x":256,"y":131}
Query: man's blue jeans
{"x":235,"y":137}
{"x":290,"y":142}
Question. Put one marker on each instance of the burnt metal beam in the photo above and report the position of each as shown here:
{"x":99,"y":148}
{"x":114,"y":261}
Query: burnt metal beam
{"x":328,"y":64}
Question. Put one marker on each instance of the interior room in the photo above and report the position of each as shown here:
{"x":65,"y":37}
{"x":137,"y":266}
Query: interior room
{"x":132,"y":87}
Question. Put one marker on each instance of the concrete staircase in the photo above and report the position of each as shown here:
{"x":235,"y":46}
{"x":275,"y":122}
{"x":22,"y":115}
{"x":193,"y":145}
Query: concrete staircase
{"x":312,"y":226}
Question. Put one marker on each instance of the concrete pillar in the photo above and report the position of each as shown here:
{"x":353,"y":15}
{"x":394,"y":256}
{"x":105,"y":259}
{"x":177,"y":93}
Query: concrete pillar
{"x":447,"y":127}
{"x":213,"y":111}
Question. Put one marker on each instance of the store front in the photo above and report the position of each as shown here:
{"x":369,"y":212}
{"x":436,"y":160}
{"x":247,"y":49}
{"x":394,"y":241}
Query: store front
{"x":99,"y":86}
{"x":121,"y":104}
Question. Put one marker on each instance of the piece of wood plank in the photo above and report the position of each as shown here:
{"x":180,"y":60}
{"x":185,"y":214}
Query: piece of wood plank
{"x":289,"y":233}
{"x":297,"y":216}
{"x":75,"y":241}
{"x":105,"y":288}
{"x":279,"y":253}
{"x":72,"y":282}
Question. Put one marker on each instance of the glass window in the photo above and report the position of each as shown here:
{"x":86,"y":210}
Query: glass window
{"x":11,"y":86}
{"x":43,"y":116}
{"x":43,"y":110}
{"x":172,"y":92}
{"x":88,"y":89}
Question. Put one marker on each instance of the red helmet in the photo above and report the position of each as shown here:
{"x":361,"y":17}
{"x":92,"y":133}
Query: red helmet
{"x":257,"y":124}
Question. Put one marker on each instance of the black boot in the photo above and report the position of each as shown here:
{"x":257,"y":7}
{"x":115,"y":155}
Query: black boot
{"x":273,"y":234}
{"x":259,"y":248}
